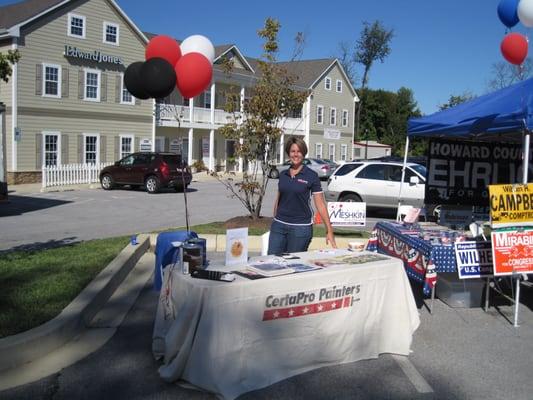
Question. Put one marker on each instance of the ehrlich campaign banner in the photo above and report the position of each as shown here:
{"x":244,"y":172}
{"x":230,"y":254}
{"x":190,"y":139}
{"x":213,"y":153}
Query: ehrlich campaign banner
{"x":459,"y":172}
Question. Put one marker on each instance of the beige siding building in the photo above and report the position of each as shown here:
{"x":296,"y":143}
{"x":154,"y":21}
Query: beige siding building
{"x":66,"y":102}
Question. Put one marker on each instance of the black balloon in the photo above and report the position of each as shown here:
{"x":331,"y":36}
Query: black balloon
{"x":159,"y":77}
{"x":133,"y":81}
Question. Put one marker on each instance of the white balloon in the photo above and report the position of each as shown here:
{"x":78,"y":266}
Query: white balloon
{"x":198,"y":44}
{"x":525,"y":12}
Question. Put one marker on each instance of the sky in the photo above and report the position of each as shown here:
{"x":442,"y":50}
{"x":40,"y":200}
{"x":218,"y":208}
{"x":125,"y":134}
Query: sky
{"x":440,"y":48}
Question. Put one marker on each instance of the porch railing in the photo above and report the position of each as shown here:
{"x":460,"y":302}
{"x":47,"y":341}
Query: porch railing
{"x":71,"y":174}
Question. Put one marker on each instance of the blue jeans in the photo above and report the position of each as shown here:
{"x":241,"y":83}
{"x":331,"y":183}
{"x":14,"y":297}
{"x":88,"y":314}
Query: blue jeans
{"x":289,"y":238}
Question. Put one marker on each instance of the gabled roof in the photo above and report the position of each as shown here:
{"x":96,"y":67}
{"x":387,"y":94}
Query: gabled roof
{"x":225,"y":49}
{"x":307,"y":71}
{"x":14,"y":16}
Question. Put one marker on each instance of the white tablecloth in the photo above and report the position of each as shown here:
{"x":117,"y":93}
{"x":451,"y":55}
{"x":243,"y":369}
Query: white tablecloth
{"x":231,"y":338}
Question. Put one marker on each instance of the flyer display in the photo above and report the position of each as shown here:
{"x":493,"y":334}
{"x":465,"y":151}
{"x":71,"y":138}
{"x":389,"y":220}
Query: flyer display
{"x":236,"y":246}
{"x":474,"y":259}
{"x":511,"y":205}
{"x":512,"y":251}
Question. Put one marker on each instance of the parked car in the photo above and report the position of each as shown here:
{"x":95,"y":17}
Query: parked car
{"x":378,"y":184}
{"x":321,"y":167}
{"x":151,"y":170}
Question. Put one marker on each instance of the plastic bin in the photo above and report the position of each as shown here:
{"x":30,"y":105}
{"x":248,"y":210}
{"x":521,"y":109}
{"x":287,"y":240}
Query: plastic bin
{"x":460,"y":293}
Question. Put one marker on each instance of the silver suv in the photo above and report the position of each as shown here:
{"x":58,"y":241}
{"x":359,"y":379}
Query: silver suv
{"x":377,"y":183}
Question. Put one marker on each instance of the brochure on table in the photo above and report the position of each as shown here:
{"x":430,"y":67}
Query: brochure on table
{"x":236,"y":246}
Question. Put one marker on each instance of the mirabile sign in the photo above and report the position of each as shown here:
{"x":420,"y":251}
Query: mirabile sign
{"x":460,"y":172}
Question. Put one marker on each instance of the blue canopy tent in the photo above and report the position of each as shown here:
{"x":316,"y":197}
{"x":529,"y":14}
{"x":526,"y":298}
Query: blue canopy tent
{"x":505,"y":115}
{"x":501,"y":115}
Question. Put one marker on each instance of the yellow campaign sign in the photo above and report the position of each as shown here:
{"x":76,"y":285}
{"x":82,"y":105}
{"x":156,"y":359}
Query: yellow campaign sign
{"x":511,"y":205}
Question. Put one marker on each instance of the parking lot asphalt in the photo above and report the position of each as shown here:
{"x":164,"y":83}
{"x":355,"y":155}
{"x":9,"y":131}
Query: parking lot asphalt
{"x":34,"y":219}
{"x":457,"y":353}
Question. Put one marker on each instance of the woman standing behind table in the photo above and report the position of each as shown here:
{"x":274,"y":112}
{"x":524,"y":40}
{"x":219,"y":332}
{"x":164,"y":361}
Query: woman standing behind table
{"x":292,"y":227}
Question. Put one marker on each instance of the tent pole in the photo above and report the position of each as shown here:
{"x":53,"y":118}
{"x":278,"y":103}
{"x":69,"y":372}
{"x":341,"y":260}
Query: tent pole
{"x":403,"y":176}
{"x":525,"y":161}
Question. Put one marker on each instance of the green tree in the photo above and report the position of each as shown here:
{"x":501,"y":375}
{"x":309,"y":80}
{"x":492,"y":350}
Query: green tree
{"x":385,"y":115}
{"x":455,"y":100}
{"x":373,"y":45}
{"x":6,"y":60}
{"x":258,"y":127}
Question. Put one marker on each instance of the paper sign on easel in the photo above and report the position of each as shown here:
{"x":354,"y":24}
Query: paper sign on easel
{"x":237,"y":246}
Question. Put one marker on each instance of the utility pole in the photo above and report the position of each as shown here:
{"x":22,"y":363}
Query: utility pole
{"x":366,"y":146}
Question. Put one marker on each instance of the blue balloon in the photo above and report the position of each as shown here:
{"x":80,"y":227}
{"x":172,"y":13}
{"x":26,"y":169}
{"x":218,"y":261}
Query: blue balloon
{"x":507,"y":11}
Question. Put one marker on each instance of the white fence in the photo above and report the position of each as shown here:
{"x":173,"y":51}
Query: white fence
{"x":71,"y":174}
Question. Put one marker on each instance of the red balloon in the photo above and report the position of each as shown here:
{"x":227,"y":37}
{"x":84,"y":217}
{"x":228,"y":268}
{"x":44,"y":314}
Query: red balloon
{"x":164,"y":47}
{"x":514,"y":48}
{"x":193,"y":73}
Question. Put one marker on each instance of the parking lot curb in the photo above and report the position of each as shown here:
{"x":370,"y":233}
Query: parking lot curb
{"x":22,"y":348}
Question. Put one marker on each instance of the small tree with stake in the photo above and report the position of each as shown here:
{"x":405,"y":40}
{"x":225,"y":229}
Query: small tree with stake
{"x":257,"y":125}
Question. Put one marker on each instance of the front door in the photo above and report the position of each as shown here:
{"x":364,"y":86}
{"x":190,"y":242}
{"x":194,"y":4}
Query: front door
{"x":205,"y":150}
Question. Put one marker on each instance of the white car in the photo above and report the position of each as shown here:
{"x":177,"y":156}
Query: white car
{"x":377,"y":183}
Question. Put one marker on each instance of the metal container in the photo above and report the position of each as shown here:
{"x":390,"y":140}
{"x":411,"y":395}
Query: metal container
{"x":192,"y":253}
{"x":203,"y":243}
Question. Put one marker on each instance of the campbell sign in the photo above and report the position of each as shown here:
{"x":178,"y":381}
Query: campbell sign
{"x":96,"y":55}
{"x":511,"y":205}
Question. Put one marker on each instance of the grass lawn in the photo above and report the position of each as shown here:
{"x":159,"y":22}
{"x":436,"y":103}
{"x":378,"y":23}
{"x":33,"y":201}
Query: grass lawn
{"x":36,"y":286}
{"x":318,"y":231}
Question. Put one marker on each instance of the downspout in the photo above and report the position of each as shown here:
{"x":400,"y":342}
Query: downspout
{"x":14,"y":109}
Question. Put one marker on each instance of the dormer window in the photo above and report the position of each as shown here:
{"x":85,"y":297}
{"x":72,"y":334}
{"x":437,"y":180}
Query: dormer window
{"x":327,"y":83}
{"x":76,"y":26}
{"x":111,"y":32}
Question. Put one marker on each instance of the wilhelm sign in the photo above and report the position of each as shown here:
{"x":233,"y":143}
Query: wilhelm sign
{"x":460,"y":172}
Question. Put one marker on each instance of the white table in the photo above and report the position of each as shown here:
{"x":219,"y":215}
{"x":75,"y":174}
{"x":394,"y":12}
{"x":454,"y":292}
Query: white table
{"x":231,"y":338}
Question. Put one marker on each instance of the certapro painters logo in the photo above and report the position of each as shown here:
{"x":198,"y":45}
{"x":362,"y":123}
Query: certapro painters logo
{"x":313,"y":302}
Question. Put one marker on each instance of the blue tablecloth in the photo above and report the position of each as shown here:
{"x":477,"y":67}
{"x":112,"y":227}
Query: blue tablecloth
{"x":164,"y":252}
{"x":422,"y":259}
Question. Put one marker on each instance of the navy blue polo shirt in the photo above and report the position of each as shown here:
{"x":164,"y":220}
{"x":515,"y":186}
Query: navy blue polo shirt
{"x":294,"y":206}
